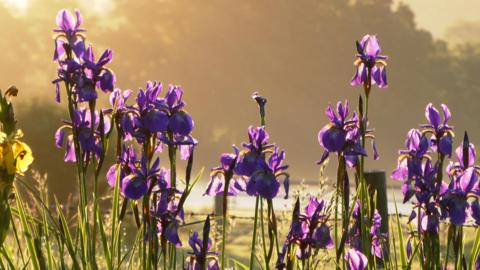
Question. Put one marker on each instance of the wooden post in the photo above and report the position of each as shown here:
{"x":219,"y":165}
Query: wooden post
{"x":377,"y":183}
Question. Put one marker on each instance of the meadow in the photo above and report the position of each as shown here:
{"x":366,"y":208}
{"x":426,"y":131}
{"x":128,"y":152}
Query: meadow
{"x":143,"y":221}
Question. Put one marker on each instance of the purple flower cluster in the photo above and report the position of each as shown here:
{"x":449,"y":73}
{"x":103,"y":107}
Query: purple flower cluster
{"x":370,"y":65}
{"x":464,"y":185}
{"x":167,"y":209}
{"x":423,"y":181}
{"x":82,"y":75}
{"x":308,"y":232}
{"x":91,"y":128}
{"x":342,"y":135}
{"x":77,"y":66}
{"x":201,"y":254}
{"x":152,"y":115}
{"x":153,"y":121}
{"x":251,"y":169}
{"x":378,"y":238}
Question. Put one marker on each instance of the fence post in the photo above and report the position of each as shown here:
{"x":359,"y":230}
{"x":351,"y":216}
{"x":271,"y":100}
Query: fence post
{"x":377,"y":183}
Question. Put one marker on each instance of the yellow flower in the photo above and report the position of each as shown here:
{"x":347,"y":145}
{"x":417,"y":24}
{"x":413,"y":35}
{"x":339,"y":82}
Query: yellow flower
{"x":15,"y":155}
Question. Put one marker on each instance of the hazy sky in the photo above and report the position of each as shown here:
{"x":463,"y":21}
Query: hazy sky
{"x":437,"y":16}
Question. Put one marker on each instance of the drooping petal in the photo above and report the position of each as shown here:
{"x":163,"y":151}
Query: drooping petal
{"x":107,"y":81}
{"x":133,"y":187}
{"x":181,"y":123}
{"x":332,"y":138}
{"x":59,"y":137}
{"x":266,"y":184}
{"x":445,"y":145}
{"x":322,"y":237}
{"x":375,"y":152}
{"x":70,"y":151}
{"x":57,"y":92}
{"x":155,"y":121}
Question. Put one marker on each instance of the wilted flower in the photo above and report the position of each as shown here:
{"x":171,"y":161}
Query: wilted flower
{"x":370,"y":65}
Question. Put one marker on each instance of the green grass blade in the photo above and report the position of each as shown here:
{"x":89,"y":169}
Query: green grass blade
{"x":27,"y":232}
{"x":475,"y":249}
{"x":103,"y":237}
{"x":66,"y":236}
{"x":403,"y":252}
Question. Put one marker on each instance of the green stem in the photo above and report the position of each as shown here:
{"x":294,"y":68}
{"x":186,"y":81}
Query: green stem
{"x":264,"y":244}
{"x":254,"y":236}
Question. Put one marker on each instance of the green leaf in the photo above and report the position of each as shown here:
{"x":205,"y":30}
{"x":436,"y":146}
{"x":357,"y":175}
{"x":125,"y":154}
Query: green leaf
{"x":403,"y":252}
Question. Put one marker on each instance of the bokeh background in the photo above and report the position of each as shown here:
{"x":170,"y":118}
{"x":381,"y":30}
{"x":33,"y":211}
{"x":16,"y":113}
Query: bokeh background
{"x":297,"y":53}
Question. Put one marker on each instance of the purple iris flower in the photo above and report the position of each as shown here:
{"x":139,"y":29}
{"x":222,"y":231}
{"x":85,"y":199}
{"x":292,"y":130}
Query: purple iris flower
{"x":378,"y":238}
{"x":248,"y":158}
{"x":370,"y":65}
{"x":181,"y":123}
{"x":410,"y":160}
{"x":146,"y":117}
{"x":341,"y":135}
{"x":136,"y":184}
{"x":356,"y":260}
{"x":464,"y":185}
{"x":69,"y":34}
{"x":118,"y":99}
{"x":309,"y":230}
{"x":216,"y":186}
{"x":167,"y":210}
{"x":95,"y":74}
{"x":201,"y":254}
{"x":442,"y":133}
{"x":127,"y":162}
{"x":163,"y":117}
{"x":265,"y":179}
{"x":67,"y":24}
{"x":89,"y":137}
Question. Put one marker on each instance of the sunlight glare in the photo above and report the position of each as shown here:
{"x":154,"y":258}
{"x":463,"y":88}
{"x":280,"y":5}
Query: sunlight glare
{"x":18,"y":7}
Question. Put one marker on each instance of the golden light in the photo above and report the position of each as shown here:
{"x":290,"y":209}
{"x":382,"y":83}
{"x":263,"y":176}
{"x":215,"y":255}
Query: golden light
{"x":18,"y":7}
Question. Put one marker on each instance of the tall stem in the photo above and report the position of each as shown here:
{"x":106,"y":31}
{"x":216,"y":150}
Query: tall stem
{"x":228,"y":177}
{"x":264,"y":244}
{"x":254,"y":236}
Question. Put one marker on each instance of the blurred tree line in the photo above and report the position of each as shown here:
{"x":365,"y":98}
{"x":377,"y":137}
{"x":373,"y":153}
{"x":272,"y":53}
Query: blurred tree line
{"x":298,"y":54}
